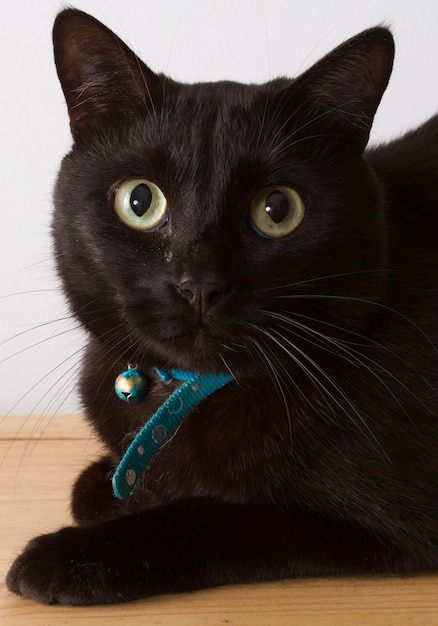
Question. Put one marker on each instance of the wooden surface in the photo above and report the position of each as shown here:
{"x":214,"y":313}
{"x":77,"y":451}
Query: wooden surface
{"x":39,"y":459}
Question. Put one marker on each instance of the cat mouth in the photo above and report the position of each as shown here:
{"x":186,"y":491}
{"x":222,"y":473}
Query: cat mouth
{"x":204,"y":346}
{"x":200,"y":351}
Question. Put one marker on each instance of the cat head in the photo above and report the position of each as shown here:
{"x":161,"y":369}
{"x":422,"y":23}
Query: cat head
{"x":198,"y":224}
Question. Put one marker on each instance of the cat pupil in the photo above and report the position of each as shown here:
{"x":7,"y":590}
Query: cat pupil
{"x":277,"y":206}
{"x":141,"y":199}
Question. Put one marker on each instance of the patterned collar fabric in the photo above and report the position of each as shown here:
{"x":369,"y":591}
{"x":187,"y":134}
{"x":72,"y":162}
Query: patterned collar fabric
{"x":158,"y":429}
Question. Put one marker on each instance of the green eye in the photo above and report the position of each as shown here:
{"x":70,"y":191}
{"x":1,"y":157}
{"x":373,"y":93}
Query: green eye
{"x":141,"y":205}
{"x":276,"y":211}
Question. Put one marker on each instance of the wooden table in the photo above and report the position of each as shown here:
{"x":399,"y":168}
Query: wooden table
{"x":40,"y":456}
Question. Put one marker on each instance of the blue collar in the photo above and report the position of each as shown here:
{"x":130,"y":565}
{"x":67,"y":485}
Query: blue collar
{"x":158,"y":429}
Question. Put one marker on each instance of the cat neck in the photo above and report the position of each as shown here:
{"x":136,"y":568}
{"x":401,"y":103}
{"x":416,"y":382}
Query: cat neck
{"x":158,"y":429}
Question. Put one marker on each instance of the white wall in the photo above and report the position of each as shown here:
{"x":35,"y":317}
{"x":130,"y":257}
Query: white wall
{"x":248,"y":40}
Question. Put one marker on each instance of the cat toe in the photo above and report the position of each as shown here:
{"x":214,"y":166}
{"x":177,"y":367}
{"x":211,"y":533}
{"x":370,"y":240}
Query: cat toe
{"x":47,"y":571}
{"x":75,"y":566}
{"x":25,"y":579}
{"x":13,"y":577}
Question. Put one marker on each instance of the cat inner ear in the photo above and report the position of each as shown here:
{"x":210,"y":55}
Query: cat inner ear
{"x":349,"y":83}
{"x":102,"y":79}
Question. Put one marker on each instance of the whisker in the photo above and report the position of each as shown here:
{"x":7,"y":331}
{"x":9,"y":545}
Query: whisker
{"x":316,"y":279}
{"x":47,"y":413}
{"x":278,"y":338}
{"x":348,"y":346}
{"x":275,"y":379}
{"x":228,"y":368}
{"x":31,"y":266}
{"x":47,"y":374}
{"x":40,"y":342}
{"x":353,"y":357}
{"x":28,"y":292}
{"x":35,"y":328}
{"x":367,"y":302}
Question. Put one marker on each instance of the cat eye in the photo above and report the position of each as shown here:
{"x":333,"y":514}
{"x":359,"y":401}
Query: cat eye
{"x":141,"y":205}
{"x":276,"y":211}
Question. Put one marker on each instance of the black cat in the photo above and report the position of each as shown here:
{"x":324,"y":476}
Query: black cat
{"x":241,"y":230}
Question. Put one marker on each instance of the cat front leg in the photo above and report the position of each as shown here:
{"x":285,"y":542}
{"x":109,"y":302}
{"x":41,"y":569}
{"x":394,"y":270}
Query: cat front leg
{"x":186,"y":545}
{"x":93,"y":499}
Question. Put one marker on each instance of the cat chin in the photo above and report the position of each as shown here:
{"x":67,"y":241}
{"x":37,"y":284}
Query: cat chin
{"x":197,"y":353}
{"x":197,"y":357}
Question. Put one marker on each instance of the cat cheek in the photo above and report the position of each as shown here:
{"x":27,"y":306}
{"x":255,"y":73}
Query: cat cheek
{"x":168,"y":255}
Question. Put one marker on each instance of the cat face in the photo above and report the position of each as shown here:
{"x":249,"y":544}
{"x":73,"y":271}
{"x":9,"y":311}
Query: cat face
{"x":198,"y":224}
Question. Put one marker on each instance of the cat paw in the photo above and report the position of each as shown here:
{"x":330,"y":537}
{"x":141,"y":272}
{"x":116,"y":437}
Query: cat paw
{"x":69,"y":567}
{"x":93,"y":499}
{"x":92,"y":496}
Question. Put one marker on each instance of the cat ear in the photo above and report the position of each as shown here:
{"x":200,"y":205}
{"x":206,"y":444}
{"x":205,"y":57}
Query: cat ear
{"x":350,"y":81}
{"x":100,"y":76}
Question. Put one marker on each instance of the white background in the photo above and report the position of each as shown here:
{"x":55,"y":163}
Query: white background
{"x":247,"y":40}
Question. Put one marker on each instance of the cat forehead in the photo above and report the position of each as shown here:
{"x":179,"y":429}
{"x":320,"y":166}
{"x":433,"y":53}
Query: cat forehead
{"x":230,"y":88}
{"x":220,"y":94}
{"x":194,"y":128}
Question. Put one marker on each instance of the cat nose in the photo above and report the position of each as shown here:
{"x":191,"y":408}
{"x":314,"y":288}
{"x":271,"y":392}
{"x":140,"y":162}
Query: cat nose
{"x":201,"y":295}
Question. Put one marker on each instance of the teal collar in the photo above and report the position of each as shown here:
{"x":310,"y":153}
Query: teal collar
{"x":158,"y":429}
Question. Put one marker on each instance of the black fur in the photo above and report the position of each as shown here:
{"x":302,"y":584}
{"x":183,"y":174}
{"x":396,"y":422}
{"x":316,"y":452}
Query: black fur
{"x":321,"y":457}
